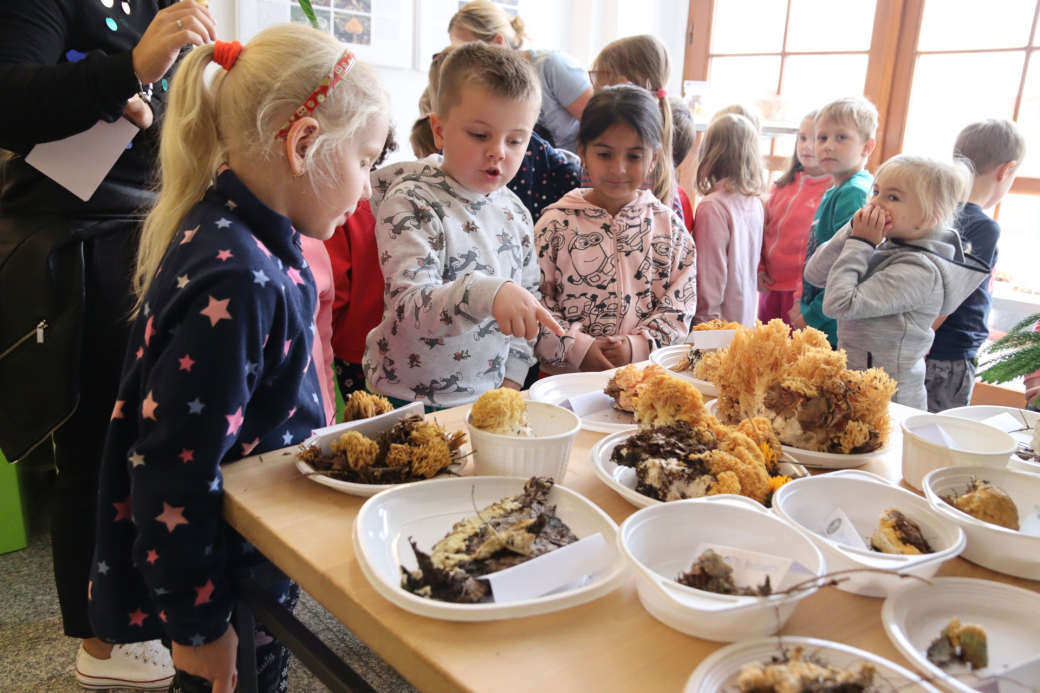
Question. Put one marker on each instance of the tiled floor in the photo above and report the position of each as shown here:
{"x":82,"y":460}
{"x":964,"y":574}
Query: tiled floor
{"x":35,"y":656}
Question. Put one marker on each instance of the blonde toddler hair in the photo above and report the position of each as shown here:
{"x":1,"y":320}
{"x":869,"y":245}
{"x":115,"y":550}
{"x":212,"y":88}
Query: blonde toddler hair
{"x":644,"y":61}
{"x":485,"y":19}
{"x":939,"y":186}
{"x":240,"y":110}
{"x":749,"y":112}
{"x":731,"y":155}
{"x":990,"y":144}
{"x":855,"y":110}
{"x":502,"y":72}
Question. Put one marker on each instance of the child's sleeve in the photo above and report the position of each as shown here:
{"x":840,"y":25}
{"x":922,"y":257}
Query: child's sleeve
{"x":521,"y":352}
{"x":554,"y":350}
{"x":675,"y":293}
{"x":904,"y":284}
{"x":712,"y":228}
{"x":411,"y":241}
{"x":195,"y":412}
{"x":819,"y":265}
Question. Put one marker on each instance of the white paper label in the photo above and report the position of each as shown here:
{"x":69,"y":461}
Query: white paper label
{"x":1030,"y":524}
{"x":1016,"y":678}
{"x":550,"y":571}
{"x":750,"y":568}
{"x":589,"y":403}
{"x":934,"y":433}
{"x":710,"y":339}
{"x":79,"y":163}
{"x":1005,"y":422}
{"x":837,"y":527}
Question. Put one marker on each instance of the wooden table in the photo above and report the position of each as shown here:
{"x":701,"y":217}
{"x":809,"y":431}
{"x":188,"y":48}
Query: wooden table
{"x":610,"y":644}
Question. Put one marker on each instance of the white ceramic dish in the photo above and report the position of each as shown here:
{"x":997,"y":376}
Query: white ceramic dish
{"x":718,"y":672}
{"x":546,"y":453}
{"x":992,"y":546}
{"x":820,"y":460}
{"x":366,"y":427}
{"x":1029,"y":421}
{"x":915,"y":615}
{"x":659,"y":544}
{"x":669,"y":357}
{"x":979,"y":445}
{"x":557,"y":388}
{"x":426,"y":512}
{"x":807,"y":503}
{"x":623,"y":479}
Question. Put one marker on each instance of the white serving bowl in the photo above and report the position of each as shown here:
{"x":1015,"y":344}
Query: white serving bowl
{"x":546,"y":453}
{"x":659,"y":543}
{"x":807,"y":503}
{"x":1029,"y":421}
{"x":991,"y":546}
{"x":981,"y":445}
{"x":669,"y":357}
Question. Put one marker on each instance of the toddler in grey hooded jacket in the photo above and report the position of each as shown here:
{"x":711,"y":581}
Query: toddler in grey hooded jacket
{"x":885,"y":299}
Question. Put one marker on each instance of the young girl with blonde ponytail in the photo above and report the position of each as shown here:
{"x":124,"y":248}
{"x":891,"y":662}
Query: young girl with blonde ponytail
{"x":277,"y":144}
{"x":643,"y":61}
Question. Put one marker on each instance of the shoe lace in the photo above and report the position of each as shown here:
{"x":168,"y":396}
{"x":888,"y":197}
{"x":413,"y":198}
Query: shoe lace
{"x":148,"y":652}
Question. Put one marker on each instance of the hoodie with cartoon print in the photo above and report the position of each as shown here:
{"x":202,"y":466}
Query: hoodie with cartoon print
{"x":633,"y":274}
{"x":445,"y":251}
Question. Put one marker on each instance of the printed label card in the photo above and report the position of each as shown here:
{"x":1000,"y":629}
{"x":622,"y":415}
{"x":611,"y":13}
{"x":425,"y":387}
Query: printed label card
{"x":837,"y":527}
{"x":751,"y":568}
{"x":589,"y":403}
{"x":551,"y":571}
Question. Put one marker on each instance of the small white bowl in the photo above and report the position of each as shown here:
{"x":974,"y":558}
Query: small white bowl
{"x":981,"y":445}
{"x":659,"y":543}
{"x":991,"y":546}
{"x":807,"y":503}
{"x":546,"y":453}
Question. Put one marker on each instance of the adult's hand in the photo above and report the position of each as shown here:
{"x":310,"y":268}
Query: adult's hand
{"x":179,"y":25}
{"x":138,"y":112}
{"x":213,"y":661}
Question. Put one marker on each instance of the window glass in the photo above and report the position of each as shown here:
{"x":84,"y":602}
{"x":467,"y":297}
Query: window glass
{"x":957,"y":25}
{"x":811,"y":81}
{"x":1019,"y":219}
{"x":744,"y":79}
{"x":1029,"y":118}
{"x":748,"y":26}
{"x":812,"y":26}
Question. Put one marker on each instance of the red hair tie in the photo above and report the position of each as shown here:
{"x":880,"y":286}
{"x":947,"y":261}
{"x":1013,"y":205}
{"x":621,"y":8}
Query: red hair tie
{"x":225,"y":53}
{"x":661,"y":93}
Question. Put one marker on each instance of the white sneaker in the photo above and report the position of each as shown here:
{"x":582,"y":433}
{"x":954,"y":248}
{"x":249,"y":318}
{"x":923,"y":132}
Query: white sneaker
{"x":144,"y":666}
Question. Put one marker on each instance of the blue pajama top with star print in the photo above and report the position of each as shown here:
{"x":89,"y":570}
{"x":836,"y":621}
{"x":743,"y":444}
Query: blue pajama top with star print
{"x":218,"y":368}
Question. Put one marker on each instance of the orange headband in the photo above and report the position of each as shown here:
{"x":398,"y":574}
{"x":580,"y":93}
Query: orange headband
{"x":225,"y":53}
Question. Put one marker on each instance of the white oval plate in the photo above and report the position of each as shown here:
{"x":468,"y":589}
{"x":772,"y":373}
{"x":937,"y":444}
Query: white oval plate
{"x":426,"y":512}
{"x":914,"y":616}
{"x":718,"y":672}
{"x":623,"y":479}
{"x":669,"y":357}
{"x":557,"y":388}
{"x":370,"y":428}
{"x":820,"y":460}
{"x":1029,"y":418}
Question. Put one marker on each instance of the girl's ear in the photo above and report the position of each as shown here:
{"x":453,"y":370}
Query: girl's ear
{"x":498,"y":40}
{"x":302,"y":136}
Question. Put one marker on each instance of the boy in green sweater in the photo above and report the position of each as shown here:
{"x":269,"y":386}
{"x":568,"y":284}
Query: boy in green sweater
{"x":845,"y":131}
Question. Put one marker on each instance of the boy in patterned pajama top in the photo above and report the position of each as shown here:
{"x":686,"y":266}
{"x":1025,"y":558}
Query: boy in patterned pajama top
{"x":455,"y":244}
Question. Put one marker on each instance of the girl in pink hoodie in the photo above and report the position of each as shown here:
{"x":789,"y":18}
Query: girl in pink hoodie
{"x":789,"y":215}
{"x":618,"y":267}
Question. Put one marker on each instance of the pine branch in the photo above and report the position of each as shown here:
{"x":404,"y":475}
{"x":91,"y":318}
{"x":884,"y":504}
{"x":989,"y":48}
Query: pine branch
{"x":308,"y":10}
{"x":1013,"y":364}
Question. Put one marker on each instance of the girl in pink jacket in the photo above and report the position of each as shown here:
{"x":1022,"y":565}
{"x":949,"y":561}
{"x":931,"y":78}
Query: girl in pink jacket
{"x":729,"y":221}
{"x":618,"y":267}
{"x":789,"y":215}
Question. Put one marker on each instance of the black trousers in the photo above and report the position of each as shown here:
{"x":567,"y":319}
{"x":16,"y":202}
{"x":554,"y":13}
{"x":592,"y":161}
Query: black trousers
{"x":79,"y":442}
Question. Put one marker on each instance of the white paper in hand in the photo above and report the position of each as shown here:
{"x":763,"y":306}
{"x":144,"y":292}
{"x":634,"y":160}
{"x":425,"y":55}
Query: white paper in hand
{"x":79,"y":163}
{"x":550,"y":571}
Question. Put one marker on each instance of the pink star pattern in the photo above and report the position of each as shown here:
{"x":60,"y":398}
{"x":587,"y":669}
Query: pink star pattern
{"x":204,"y":593}
{"x":261,"y":246}
{"x":117,"y":411}
{"x":187,"y":455}
{"x":123,"y":510}
{"x":224,"y":255}
{"x":140,"y":352}
{"x":188,"y":235}
{"x":153,"y":556}
{"x":162,"y":615}
{"x":294,"y":274}
{"x":216,"y":311}
{"x":137,"y":617}
{"x":171,"y":517}
{"x":291,"y":412}
{"x":186,"y":363}
{"x":288,"y":343}
{"x":234,"y":422}
{"x":149,"y":331}
{"x":248,"y":447}
{"x":148,"y":407}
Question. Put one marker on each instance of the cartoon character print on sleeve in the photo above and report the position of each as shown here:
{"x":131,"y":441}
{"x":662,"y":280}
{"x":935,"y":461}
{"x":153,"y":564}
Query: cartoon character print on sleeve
{"x":411,"y":219}
{"x":495,"y":368}
{"x":422,"y":302}
{"x":514,"y":252}
{"x":428,"y":391}
{"x":458,"y":264}
{"x":427,"y":264}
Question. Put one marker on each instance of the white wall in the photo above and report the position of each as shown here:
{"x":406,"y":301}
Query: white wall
{"x":578,"y":27}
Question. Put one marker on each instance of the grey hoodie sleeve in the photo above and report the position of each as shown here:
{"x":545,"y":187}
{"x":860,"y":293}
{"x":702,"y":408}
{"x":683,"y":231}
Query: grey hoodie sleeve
{"x":819,"y":265}
{"x":900,"y":286}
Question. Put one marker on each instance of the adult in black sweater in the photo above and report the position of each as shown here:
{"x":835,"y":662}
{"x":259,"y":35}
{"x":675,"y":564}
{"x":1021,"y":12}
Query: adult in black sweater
{"x":65,"y":65}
